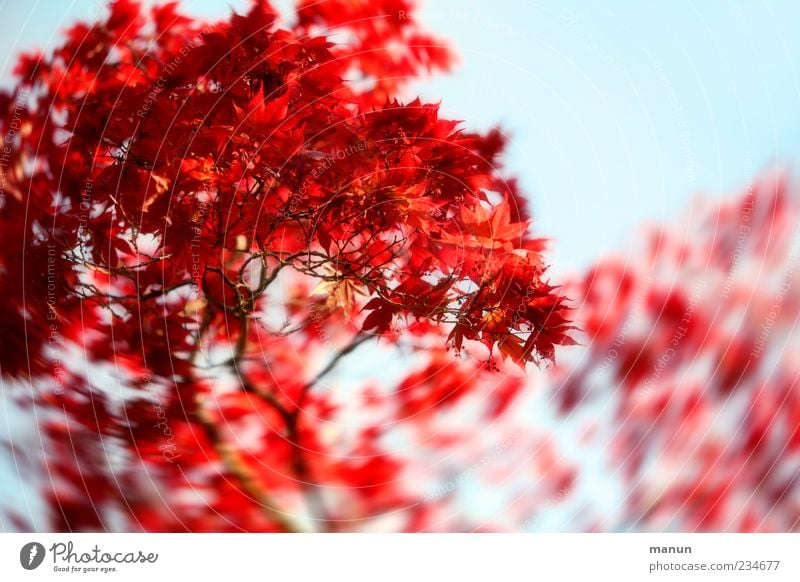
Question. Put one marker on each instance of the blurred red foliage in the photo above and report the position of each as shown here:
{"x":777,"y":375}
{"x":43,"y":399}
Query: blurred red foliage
{"x":690,"y":372}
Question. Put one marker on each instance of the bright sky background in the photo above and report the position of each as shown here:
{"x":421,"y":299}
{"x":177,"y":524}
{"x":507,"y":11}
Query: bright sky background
{"x":620,"y":115}
{"x":617,"y":115}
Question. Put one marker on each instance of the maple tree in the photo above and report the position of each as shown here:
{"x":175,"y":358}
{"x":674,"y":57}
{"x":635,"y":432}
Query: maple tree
{"x":201,"y":220}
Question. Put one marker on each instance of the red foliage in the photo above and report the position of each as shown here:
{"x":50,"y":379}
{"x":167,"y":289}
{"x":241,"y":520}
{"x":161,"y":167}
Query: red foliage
{"x":202,"y":212}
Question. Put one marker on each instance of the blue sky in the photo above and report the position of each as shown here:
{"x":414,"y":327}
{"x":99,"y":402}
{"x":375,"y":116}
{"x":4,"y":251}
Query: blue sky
{"x":620,"y":115}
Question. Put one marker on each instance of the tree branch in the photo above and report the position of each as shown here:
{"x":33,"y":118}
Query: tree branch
{"x":238,"y":468}
{"x":357,"y":341}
